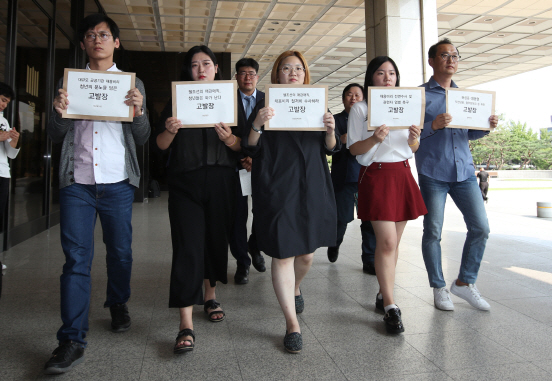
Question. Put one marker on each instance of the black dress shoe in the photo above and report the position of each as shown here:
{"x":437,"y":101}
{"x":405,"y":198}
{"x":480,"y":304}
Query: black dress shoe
{"x":379,"y":304}
{"x":393,"y":321}
{"x":120,"y":320}
{"x":257,"y":259}
{"x":333,"y":253}
{"x":64,"y":357}
{"x":241,"y":276}
{"x":368,"y":268}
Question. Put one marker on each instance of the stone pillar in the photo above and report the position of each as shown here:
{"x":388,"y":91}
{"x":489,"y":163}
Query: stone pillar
{"x":403,"y":30}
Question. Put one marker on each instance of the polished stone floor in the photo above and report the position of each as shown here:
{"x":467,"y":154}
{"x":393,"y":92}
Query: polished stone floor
{"x":344,"y":336}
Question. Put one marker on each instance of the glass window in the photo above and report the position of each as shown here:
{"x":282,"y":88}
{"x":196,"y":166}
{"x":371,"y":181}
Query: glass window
{"x":27,"y":193}
{"x":62,"y":61}
{"x":3,"y":37}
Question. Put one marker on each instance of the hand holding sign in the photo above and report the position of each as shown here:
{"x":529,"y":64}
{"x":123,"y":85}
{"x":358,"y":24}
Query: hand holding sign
{"x":329,"y":123}
{"x":381,"y":133}
{"x":135,"y":98}
{"x":61,"y":102}
{"x":441,"y":121}
{"x":493,"y":120}
{"x":414,"y":133}
{"x":172,"y":125}
{"x":263,"y":116}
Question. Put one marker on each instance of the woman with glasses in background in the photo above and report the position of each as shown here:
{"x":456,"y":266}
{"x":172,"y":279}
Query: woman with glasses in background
{"x":293,"y":200}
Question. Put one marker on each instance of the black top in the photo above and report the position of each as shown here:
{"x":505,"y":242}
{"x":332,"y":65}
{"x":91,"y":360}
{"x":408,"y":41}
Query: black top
{"x":293,"y":197}
{"x":483,"y":176}
{"x":244,"y":124}
{"x":193,"y":148}
{"x":345,"y":167}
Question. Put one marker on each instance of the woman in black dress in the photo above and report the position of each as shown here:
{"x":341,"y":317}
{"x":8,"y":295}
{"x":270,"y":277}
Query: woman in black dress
{"x":201,"y":178}
{"x":293,"y":199}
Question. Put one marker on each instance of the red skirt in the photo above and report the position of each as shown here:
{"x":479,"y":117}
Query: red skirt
{"x":388,"y":192}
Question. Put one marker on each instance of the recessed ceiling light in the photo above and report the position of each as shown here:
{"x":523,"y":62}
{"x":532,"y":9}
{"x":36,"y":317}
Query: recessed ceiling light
{"x":461,"y":32}
{"x":296,"y":23}
{"x":275,"y":22}
{"x":271,"y":29}
{"x":487,"y":20}
{"x":501,"y":35}
{"x":532,"y":22}
{"x":292,"y":30}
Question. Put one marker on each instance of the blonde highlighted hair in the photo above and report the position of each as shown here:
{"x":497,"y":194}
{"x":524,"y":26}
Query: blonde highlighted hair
{"x":283,"y":56}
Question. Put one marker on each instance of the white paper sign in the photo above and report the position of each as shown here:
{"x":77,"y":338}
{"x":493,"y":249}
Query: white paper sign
{"x":98,"y":95}
{"x":396,"y":107}
{"x":470,"y":109}
{"x":245,"y":181}
{"x":204,"y":103}
{"x":297,"y":107}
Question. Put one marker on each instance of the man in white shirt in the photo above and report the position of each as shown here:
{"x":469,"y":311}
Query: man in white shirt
{"x":99,"y":173}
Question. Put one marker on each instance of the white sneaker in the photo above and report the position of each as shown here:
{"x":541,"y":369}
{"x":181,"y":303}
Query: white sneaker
{"x":470,"y":294}
{"x":441,"y":298}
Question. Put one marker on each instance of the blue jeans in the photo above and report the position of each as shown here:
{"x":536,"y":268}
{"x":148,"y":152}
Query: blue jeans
{"x":79,"y":206}
{"x":467,"y":197}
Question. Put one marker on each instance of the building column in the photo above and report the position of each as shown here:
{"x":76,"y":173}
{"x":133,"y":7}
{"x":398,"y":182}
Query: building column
{"x":403,"y":30}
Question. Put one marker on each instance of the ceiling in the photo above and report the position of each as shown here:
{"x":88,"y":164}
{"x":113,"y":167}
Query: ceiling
{"x":330,"y":34}
{"x":496,"y":38}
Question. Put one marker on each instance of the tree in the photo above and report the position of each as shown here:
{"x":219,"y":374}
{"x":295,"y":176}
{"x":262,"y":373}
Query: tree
{"x":492,"y":148}
{"x":543,"y":157}
{"x":525,"y":142}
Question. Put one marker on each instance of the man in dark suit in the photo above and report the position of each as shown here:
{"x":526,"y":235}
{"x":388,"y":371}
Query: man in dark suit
{"x":250,"y":100}
{"x":345,"y":171}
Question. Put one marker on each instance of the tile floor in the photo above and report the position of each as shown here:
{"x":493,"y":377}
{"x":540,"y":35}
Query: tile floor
{"x":344,"y":336}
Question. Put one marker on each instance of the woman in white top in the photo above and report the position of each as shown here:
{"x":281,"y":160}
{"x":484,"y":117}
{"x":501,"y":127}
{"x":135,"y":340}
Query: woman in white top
{"x":388,"y":196}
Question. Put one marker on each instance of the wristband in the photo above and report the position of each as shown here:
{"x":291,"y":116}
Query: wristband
{"x":254,"y":129}
{"x":235,"y":140}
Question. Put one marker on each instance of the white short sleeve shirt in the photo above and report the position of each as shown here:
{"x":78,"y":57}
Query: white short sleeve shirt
{"x":394,"y":147}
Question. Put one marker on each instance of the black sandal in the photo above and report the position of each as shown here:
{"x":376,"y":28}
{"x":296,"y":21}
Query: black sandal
{"x":179,"y":346}
{"x":213,"y":305}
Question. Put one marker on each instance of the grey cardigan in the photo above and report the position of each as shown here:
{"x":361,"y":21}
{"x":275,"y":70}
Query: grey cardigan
{"x":63,"y":130}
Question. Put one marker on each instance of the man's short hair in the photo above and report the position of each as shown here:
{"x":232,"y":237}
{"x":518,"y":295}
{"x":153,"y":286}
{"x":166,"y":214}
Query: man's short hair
{"x":90,"y":21}
{"x":349,"y":87}
{"x":6,"y":91}
{"x":247,"y":62}
{"x":433,"y":49}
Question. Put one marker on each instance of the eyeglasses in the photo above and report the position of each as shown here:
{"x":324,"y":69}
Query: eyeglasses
{"x":92,"y":36}
{"x":287,"y":69}
{"x":446,"y":56}
{"x":250,"y":74}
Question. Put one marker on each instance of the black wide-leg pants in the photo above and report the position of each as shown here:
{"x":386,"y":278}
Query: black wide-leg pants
{"x":201,"y":213}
